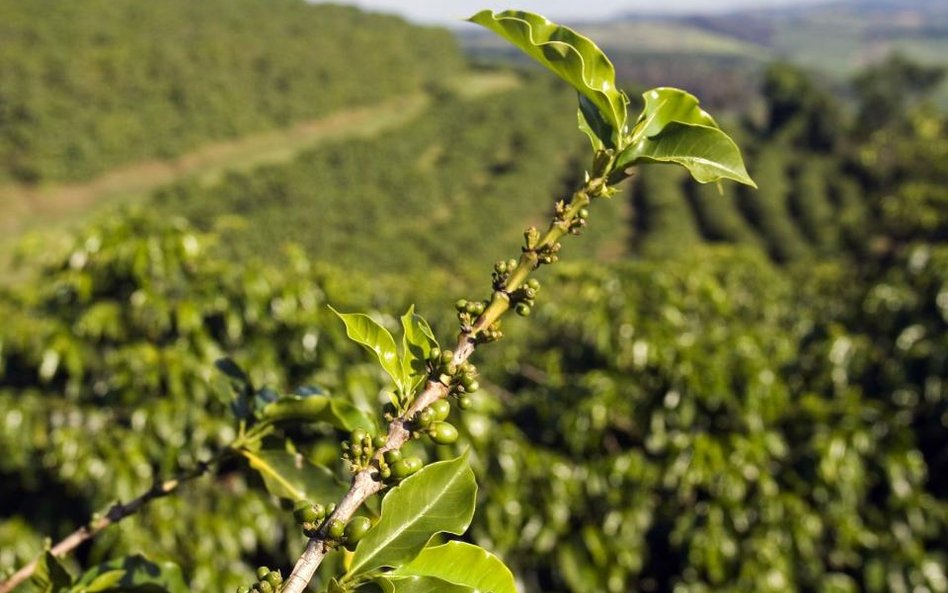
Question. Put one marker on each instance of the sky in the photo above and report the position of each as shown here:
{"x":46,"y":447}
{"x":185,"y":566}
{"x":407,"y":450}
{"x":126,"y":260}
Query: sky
{"x":451,"y":12}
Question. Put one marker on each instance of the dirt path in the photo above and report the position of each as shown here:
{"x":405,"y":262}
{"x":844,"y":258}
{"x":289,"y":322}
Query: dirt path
{"x":27,"y":207}
{"x":24,"y":208}
{"x":50,"y":208}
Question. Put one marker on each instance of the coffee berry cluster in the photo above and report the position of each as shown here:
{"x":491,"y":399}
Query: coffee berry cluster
{"x":469,"y":311}
{"x":311,"y":517}
{"x":360,"y":448}
{"x":461,"y":380}
{"x":268,"y":581}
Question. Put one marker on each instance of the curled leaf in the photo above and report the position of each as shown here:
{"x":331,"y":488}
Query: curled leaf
{"x":571,"y":56}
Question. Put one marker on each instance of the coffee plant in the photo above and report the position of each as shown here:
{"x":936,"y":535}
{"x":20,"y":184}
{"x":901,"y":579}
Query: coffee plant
{"x":380,"y":519}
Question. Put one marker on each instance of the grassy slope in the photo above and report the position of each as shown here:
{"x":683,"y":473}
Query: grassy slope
{"x":51,"y":207}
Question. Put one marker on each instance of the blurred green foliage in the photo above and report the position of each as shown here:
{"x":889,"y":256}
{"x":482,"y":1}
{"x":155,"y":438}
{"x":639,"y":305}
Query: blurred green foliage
{"x":769,"y":416}
{"x":469,"y":172}
{"x":88,"y":85}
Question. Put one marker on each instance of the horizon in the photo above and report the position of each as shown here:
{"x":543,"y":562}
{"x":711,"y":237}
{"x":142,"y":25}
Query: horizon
{"x":435,"y":12}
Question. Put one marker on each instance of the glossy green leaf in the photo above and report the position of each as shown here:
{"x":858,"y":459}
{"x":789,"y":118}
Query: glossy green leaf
{"x":665,"y":105}
{"x":299,"y":408}
{"x":439,"y":498}
{"x":708,"y":153}
{"x":104,"y":582}
{"x":50,"y":576}
{"x":460,"y":563}
{"x":132,"y":574}
{"x":417,"y":342}
{"x":347,"y":417}
{"x":290,"y":476}
{"x":416,"y":584}
{"x":366,"y":331}
{"x":571,"y":56}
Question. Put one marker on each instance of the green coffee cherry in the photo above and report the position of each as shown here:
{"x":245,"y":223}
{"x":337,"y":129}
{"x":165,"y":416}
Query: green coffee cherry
{"x":379,"y":441}
{"x":275,"y":578}
{"x":336,"y":529}
{"x":356,"y":528}
{"x":523,"y":309}
{"x":307,"y":514}
{"x":425,"y":418}
{"x":465,"y":402}
{"x":461,"y":304}
{"x":393,"y":456}
{"x":243,"y":589}
{"x":265,"y":587}
{"x":406,"y":467}
{"x":310,"y":529}
{"x":443,"y":433}
{"x":262,"y":572}
{"x":534,"y":284}
{"x":385,"y":472}
{"x":435,"y":354}
{"x":356,"y":436}
{"x":441,"y":408}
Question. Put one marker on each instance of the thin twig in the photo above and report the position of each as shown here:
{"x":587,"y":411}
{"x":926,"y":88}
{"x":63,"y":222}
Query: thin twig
{"x":363,"y":484}
{"x":114,"y":514}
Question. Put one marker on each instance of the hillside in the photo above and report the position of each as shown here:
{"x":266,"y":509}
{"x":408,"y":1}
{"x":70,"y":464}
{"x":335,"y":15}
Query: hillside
{"x":89,"y":85}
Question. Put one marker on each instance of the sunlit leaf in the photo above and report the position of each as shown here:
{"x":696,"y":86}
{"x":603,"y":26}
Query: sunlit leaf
{"x":419,"y":585}
{"x":290,"y":476}
{"x":366,"y":331}
{"x":708,"y":153}
{"x":439,"y":498}
{"x":460,"y":563}
{"x":664,"y":105}
{"x":417,"y":342}
{"x":573,"y":57}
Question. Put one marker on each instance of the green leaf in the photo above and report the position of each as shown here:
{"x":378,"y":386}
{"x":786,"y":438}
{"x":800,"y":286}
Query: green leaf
{"x":417,"y":342}
{"x":50,"y":576}
{"x":439,"y":498}
{"x":461,"y":564}
{"x":290,"y":476}
{"x":347,"y":417}
{"x":665,"y":105}
{"x":132,"y":574}
{"x":571,"y":56}
{"x":364,"y":330}
{"x":300,"y":408}
{"x":601,"y":134}
{"x":105,"y":581}
{"x":708,"y":153}
{"x":419,"y":585}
